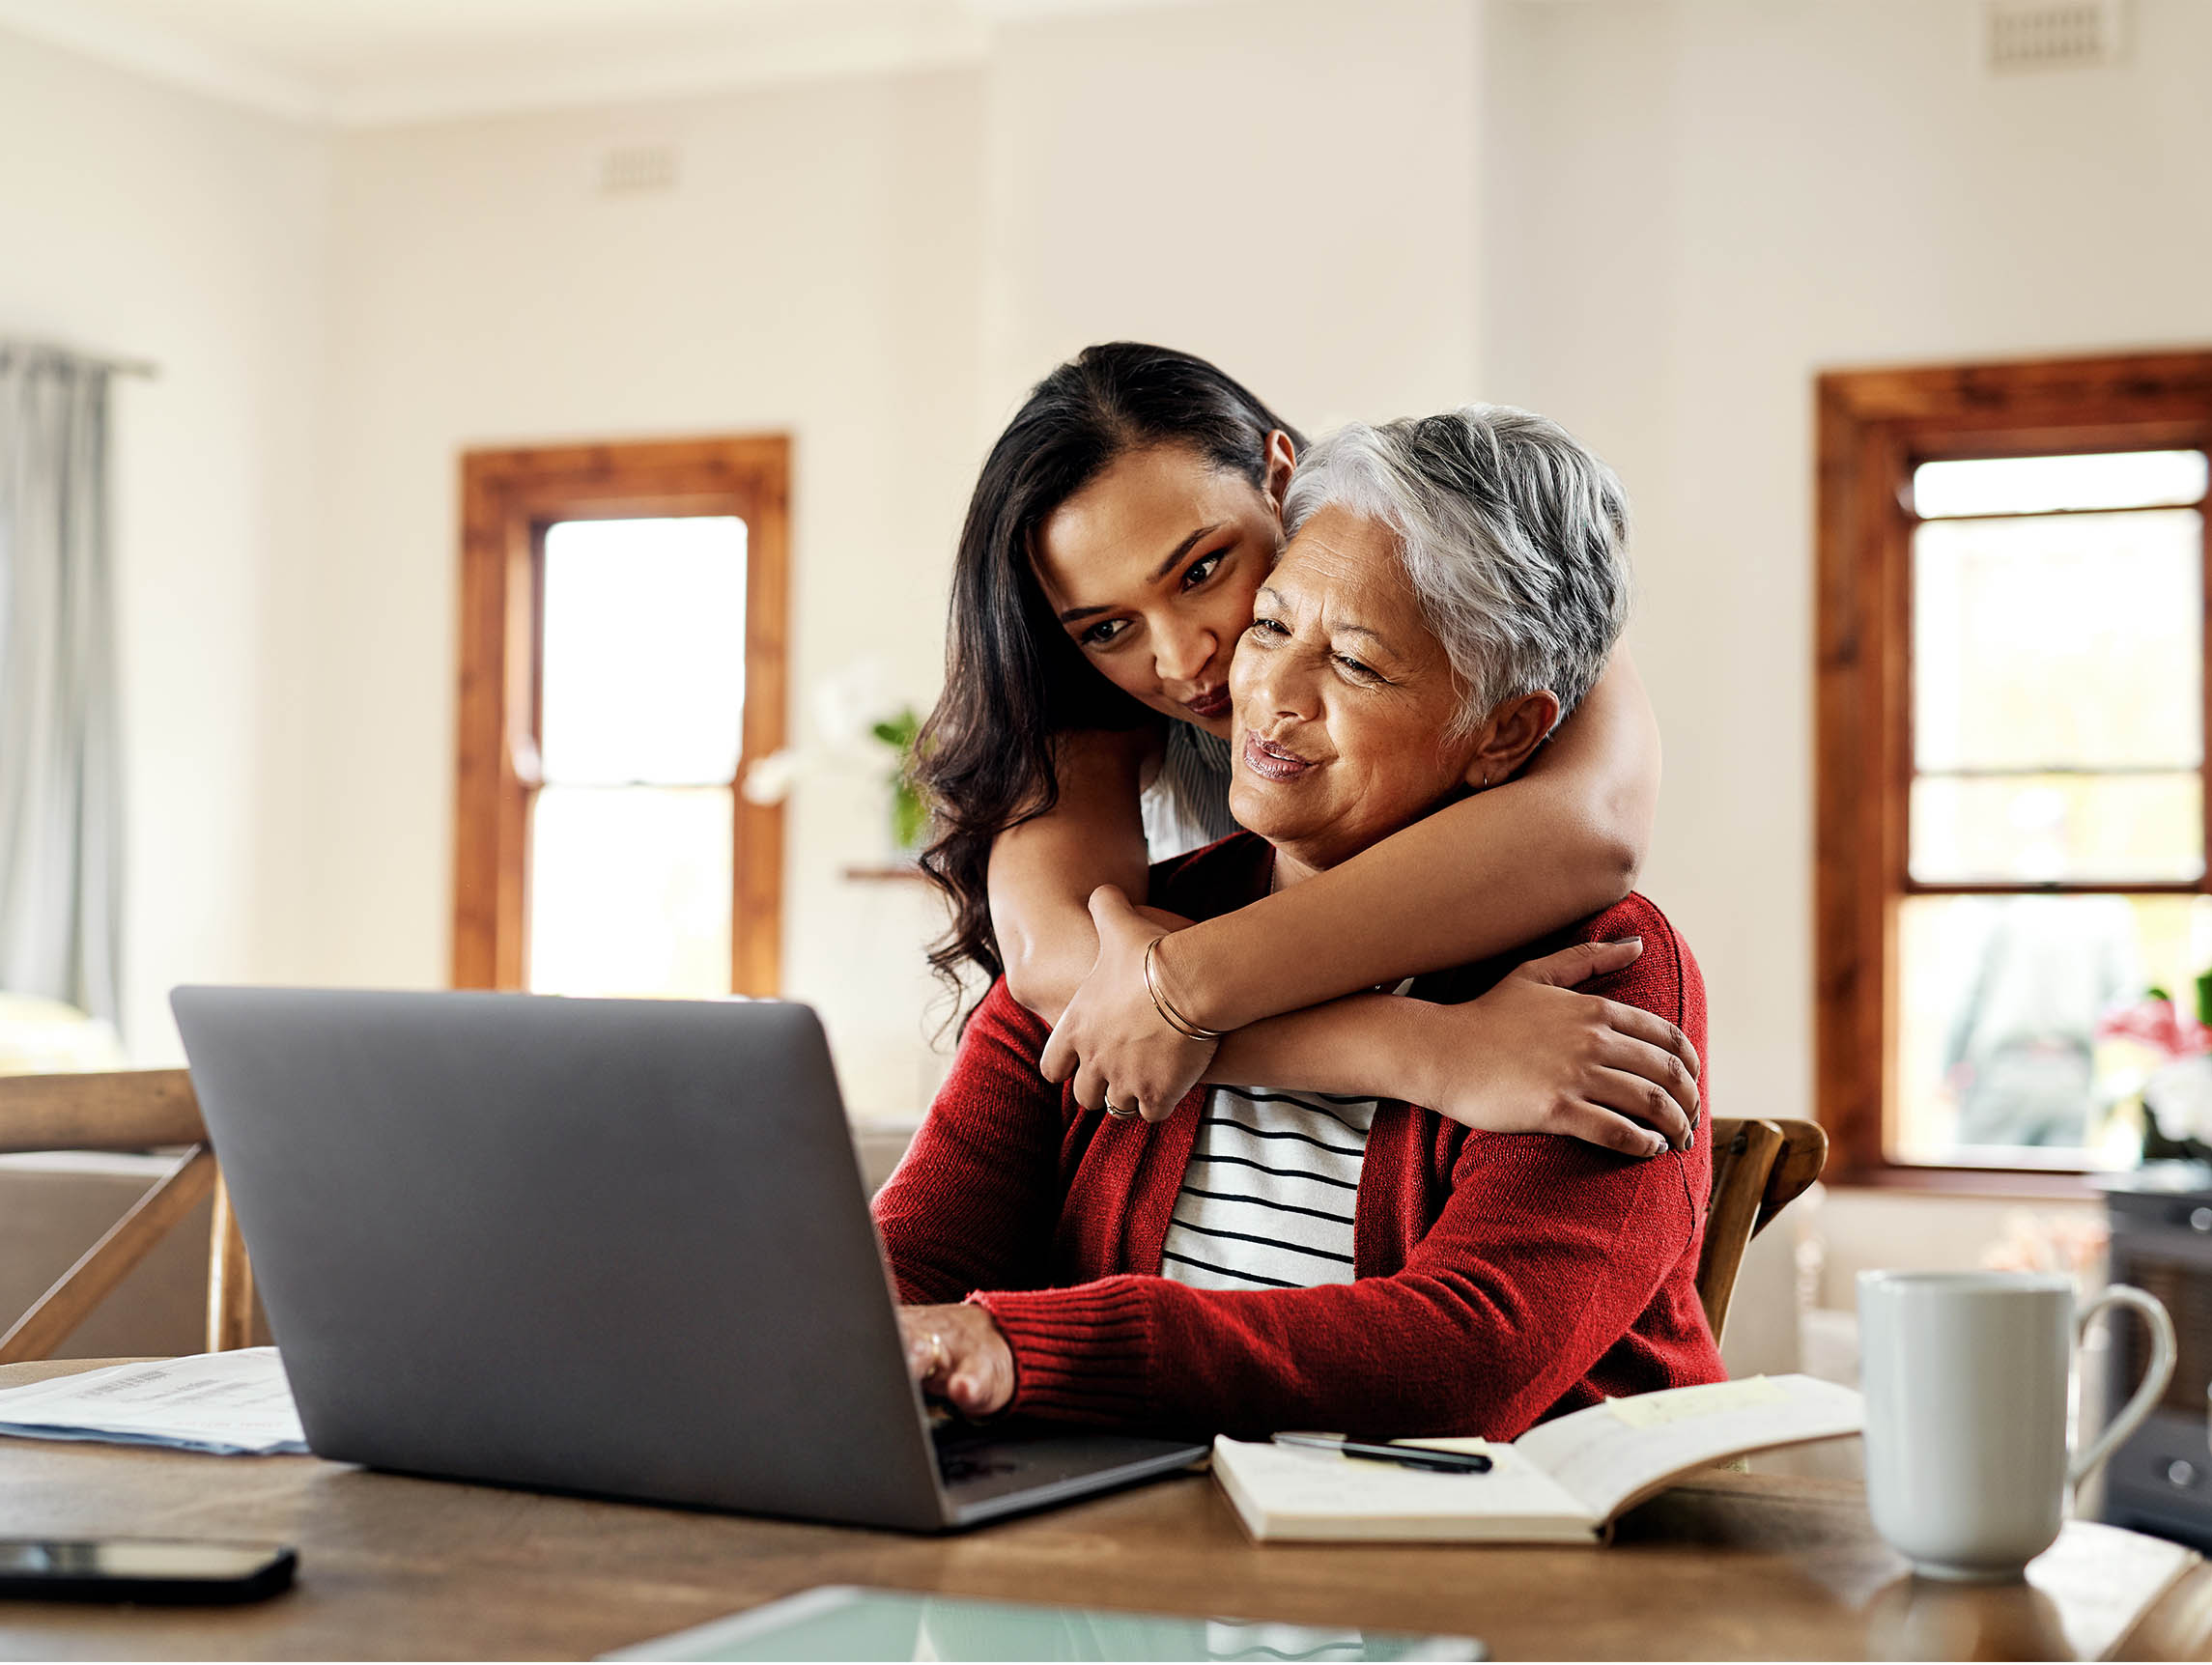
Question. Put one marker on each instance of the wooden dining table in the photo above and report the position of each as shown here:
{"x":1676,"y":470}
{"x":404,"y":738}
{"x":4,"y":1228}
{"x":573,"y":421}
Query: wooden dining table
{"x":1728,"y":1565}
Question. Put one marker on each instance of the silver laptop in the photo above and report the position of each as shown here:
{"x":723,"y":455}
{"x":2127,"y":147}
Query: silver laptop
{"x":619,"y":1247}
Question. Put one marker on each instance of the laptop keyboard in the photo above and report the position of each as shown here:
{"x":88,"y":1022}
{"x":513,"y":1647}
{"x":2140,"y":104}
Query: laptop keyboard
{"x":965,"y":1454}
{"x":954,"y":1469}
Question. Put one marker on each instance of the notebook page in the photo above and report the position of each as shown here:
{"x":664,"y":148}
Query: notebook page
{"x":1290,"y":1491}
{"x":1609,"y":1455}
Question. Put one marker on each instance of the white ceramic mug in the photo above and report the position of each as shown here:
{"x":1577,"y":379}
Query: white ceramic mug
{"x":1966,"y":1380}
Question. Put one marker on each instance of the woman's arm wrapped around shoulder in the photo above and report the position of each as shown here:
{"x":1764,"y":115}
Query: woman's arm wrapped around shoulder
{"x":1560,"y":841}
{"x":1043,"y":870}
{"x":1557,"y":843}
{"x":1536,"y":1053}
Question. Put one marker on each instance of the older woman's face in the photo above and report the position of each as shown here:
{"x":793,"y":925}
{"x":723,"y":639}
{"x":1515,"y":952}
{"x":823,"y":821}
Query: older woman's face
{"x":1343,"y":699}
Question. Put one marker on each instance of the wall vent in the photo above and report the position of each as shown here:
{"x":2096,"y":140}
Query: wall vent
{"x":2050,"y":33}
{"x":631,"y":170}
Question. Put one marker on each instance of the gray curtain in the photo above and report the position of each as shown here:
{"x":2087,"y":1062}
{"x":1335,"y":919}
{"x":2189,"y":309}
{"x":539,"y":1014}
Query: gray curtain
{"x":61,"y":842}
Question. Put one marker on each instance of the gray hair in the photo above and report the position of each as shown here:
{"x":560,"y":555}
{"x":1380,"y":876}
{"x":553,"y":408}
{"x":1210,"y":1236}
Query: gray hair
{"x":1512,"y":533}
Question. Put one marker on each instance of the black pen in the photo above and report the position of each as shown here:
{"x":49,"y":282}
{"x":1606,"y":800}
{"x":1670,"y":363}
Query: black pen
{"x":1426,"y":1459}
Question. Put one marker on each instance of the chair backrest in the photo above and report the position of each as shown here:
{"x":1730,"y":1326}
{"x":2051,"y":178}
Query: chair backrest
{"x":125,"y":1110}
{"x":1758,"y":1168}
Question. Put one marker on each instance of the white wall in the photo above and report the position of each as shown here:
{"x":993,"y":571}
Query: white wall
{"x":1284,"y":186}
{"x":144,"y":222}
{"x":1693,"y":206}
{"x":813,"y":273}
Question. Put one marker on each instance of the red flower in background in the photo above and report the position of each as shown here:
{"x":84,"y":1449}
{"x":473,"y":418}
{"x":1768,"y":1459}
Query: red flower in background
{"x":2159,"y":1025}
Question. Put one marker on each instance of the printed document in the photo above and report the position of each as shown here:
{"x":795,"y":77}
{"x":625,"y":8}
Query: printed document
{"x":228,"y":1404}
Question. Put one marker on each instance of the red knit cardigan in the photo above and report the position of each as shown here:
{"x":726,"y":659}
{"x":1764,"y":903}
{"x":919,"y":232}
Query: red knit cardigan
{"x":1500,"y":1277}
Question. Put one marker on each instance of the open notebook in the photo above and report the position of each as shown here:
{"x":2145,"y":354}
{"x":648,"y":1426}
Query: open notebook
{"x":1562,"y":1482}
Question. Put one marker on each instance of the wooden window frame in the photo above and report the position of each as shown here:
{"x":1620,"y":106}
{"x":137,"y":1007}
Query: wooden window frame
{"x":1875,"y":426}
{"x":508,"y":499}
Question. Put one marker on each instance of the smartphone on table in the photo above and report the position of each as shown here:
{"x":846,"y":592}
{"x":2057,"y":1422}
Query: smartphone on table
{"x":142,"y":1570}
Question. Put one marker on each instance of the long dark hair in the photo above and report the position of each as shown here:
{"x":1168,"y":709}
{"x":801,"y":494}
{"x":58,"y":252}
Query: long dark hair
{"x":1012,"y":678}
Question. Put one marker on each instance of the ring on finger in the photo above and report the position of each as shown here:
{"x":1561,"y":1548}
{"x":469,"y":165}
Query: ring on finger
{"x":1120,"y":1113}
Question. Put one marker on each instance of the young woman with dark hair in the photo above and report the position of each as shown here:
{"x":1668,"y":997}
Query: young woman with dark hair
{"x":1118,"y":534}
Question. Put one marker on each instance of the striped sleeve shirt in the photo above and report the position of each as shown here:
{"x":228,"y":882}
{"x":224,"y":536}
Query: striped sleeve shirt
{"x":1266,"y":1200}
{"x":1186,"y":802}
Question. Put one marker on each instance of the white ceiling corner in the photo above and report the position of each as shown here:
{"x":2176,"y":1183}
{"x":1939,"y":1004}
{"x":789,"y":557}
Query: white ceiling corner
{"x":175,"y":58}
{"x":374,"y":63}
{"x":750,"y":45}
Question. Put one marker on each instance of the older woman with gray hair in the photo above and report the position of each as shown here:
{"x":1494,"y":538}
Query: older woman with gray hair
{"x":1282,"y":1254}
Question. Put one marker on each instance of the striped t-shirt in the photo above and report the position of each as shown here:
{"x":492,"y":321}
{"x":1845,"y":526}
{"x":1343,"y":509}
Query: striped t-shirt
{"x":1267,"y":1202}
{"x":1187,"y":802}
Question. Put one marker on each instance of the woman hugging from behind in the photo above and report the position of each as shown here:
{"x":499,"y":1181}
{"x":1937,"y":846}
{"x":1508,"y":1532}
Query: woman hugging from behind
{"x":1120,"y":528}
{"x":1293,"y":1248}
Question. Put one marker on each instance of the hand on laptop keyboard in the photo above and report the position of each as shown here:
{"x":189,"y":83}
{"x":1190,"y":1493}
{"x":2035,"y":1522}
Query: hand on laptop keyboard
{"x":957,"y":1354}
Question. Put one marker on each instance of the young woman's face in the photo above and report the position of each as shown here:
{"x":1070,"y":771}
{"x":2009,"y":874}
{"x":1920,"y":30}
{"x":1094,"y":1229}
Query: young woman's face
{"x":1151,"y":568}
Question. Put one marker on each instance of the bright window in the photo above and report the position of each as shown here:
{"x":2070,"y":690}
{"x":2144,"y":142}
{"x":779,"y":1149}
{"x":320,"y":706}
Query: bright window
{"x":2012,"y":814}
{"x":640,"y":706}
{"x":622,"y":663}
{"x":2057,"y":738}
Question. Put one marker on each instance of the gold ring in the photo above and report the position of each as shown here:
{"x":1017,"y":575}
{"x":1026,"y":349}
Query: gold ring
{"x":937,"y":1357}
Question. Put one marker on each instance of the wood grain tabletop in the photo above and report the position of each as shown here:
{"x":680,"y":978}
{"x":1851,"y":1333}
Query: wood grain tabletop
{"x":1728,"y":1566}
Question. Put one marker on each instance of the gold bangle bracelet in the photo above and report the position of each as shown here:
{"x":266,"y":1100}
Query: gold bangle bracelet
{"x":1173,"y":1019}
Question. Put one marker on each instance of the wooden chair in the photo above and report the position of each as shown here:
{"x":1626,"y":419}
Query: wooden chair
{"x":127,"y":1110}
{"x":1758,"y":1168}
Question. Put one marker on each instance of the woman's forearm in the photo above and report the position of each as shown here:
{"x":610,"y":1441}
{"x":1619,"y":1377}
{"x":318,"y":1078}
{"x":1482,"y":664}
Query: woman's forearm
{"x":1527,"y":1057}
{"x":1043,"y":871}
{"x":1478,"y":878}
{"x":1372,"y":1046}
{"x":1048,"y":947}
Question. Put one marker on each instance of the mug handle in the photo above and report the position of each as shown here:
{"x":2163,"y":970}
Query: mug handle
{"x":2154,"y":1379}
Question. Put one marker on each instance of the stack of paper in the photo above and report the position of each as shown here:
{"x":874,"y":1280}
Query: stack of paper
{"x":230,"y":1404}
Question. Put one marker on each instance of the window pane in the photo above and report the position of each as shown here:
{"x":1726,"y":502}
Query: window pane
{"x":630,"y":891}
{"x":644,"y":650}
{"x":1999,"y":997}
{"x":2067,"y":642}
{"x":2030,"y":484}
{"x":2036,"y":828}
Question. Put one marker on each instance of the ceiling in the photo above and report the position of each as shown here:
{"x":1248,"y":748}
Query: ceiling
{"x":375,"y":62}
{"x":338,"y":40}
